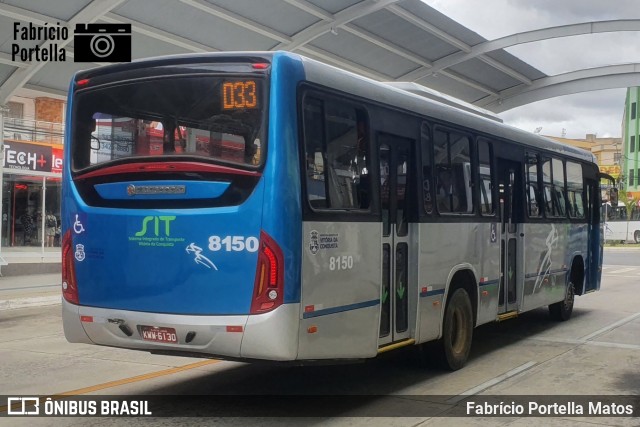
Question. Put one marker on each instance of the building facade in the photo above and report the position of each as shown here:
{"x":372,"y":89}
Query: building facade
{"x":608,"y":151}
{"x":631,"y":143}
{"x":31,"y":173}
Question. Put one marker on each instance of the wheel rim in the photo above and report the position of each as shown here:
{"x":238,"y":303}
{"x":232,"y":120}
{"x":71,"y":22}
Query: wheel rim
{"x":458,"y":332}
{"x":568,"y":299}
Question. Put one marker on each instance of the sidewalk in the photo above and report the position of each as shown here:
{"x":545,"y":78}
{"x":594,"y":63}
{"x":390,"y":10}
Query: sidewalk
{"x":621,"y":247}
{"x":29,"y":291}
{"x":20,"y":261}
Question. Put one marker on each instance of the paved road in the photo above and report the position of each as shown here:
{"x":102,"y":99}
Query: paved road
{"x":596,"y":353}
{"x":29,"y":291}
{"x":622,"y":255}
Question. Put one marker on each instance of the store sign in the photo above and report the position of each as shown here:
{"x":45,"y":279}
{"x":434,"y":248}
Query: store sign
{"x":56,"y":160}
{"x":613,"y":170}
{"x":32,"y":157}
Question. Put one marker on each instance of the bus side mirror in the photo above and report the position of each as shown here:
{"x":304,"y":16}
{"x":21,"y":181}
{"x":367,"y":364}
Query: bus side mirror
{"x":95,"y":143}
{"x":613,"y":197}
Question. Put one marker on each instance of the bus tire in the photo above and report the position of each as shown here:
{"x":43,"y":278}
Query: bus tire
{"x":457,"y":331}
{"x":636,"y":236}
{"x":562,"y":310}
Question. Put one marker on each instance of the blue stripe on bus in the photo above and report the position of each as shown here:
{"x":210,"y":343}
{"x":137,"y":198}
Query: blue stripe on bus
{"x":490,"y":282}
{"x":340,"y":309}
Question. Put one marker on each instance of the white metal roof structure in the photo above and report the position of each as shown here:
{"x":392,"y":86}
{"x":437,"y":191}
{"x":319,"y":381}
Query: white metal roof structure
{"x":387,"y":40}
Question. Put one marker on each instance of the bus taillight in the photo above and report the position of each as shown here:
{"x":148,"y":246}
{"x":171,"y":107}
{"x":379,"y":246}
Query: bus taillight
{"x":268,"y":292}
{"x":69,"y":286}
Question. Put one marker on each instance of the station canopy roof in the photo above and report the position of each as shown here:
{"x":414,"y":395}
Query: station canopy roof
{"x":387,"y":40}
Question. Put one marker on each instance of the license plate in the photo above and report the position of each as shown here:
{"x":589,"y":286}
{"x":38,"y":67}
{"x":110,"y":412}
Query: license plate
{"x":153,"y":333}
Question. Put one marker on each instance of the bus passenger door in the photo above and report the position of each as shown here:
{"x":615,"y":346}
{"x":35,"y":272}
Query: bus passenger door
{"x":595,"y":236}
{"x":511,"y":232}
{"x":397,"y":175}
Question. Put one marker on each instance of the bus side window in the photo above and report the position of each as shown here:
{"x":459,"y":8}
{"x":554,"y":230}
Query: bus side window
{"x":534,"y":205}
{"x":485,"y":151}
{"x":454,"y":180}
{"x":559,"y":188}
{"x":336,"y":147}
{"x":547,"y":187}
{"x":314,"y":147}
{"x":346,"y":161}
{"x":575,"y":190}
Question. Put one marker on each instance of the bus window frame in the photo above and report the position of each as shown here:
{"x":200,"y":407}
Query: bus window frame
{"x":543,"y":188}
{"x":471,"y":137}
{"x":539,"y":191}
{"x":565,"y":195}
{"x":263,"y":134}
{"x":310,"y":213}
{"x":575,"y":218}
{"x":479,"y":184}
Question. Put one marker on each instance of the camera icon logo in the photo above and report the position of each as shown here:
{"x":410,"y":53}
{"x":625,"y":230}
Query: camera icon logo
{"x":102,"y":43}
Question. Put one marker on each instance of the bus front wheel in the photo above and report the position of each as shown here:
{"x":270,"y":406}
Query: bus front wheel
{"x":457,"y":331}
{"x":562,"y":310}
{"x":636,"y":236}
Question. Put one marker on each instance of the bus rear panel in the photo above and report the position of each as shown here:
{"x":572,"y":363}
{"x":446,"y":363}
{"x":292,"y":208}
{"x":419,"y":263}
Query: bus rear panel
{"x":165,"y":242}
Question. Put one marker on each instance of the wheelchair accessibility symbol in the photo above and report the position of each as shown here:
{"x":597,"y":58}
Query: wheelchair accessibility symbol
{"x":494,"y":233}
{"x":77,"y":226}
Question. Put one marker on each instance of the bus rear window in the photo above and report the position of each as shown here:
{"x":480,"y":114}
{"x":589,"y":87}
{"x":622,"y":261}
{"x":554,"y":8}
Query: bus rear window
{"x":216,"y":118}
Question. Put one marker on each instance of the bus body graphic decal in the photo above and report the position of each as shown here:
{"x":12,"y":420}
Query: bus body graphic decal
{"x":199,"y":258}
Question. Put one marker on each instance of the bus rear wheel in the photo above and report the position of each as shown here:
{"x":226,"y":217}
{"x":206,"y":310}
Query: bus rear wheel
{"x":562,"y":310}
{"x":457,"y":331}
{"x":636,"y":236}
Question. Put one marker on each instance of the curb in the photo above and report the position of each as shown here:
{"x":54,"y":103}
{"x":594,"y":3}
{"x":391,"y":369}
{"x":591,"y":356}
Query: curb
{"x":622,"y":248}
{"x":11,"y":304}
{"x":14,"y":269}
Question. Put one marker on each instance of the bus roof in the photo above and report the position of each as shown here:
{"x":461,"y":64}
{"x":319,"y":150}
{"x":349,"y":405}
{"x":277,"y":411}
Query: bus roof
{"x":444,"y":99}
{"x":179,"y":59}
{"x":344,"y":81}
{"x":408,"y":97}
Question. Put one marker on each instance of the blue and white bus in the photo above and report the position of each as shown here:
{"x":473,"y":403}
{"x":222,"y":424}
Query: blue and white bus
{"x":619,"y":226}
{"x":266,"y":206}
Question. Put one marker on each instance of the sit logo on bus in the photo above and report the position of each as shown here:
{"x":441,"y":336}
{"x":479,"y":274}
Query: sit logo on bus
{"x":156,"y":225}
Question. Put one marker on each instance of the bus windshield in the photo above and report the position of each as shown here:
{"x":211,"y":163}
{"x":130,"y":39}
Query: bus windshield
{"x":218,"y":118}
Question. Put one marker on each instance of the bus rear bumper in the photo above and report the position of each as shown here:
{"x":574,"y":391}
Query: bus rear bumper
{"x":269,"y":336}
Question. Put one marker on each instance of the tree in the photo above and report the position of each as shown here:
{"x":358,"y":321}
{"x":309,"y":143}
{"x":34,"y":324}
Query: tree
{"x":629,"y":203}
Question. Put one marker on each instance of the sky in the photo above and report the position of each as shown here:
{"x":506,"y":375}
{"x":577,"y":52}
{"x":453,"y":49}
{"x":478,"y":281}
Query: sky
{"x":596,"y":112}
